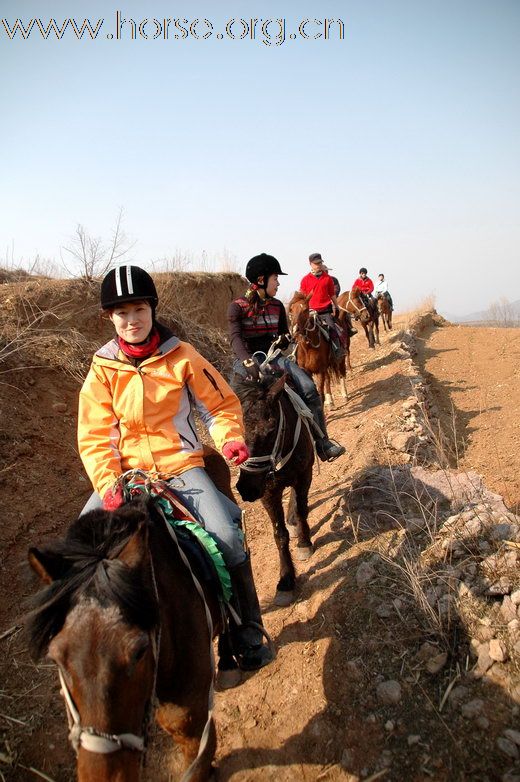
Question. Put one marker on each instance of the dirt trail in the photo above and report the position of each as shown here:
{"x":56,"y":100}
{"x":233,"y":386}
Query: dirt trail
{"x":315,"y":713}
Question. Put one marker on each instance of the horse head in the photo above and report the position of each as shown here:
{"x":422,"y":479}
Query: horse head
{"x":357,"y":306}
{"x":97,"y":620}
{"x":260,"y":405}
{"x":298,"y":309}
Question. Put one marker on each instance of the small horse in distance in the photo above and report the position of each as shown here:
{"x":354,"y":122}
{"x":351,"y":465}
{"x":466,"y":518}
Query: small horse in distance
{"x":128,"y":621}
{"x":314,"y":351}
{"x":385,"y":311}
{"x":282,"y":455}
{"x":351,"y":301}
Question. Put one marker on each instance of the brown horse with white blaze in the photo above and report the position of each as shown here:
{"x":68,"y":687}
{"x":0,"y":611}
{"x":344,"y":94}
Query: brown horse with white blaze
{"x":124,"y":620}
{"x":314,"y":351}
{"x":352,"y":302}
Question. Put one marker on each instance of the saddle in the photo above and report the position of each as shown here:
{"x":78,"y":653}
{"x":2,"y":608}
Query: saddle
{"x":199,"y":547}
{"x":330,"y":331}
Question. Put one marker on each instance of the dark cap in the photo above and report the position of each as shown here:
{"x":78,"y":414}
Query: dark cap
{"x":315,"y":258}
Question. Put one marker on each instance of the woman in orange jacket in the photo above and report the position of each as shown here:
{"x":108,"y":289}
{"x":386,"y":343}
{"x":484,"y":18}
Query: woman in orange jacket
{"x":136,"y":411}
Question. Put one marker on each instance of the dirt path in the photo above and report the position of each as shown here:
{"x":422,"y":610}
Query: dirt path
{"x":316,"y":712}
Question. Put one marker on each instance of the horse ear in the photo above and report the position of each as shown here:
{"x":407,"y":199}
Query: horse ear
{"x":308,"y":297}
{"x":277,"y":388}
{"x":136,"y":550}
{"x":47,"y":565}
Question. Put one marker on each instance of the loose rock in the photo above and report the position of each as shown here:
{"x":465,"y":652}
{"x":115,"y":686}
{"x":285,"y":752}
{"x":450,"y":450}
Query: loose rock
{"x":389,"y":692}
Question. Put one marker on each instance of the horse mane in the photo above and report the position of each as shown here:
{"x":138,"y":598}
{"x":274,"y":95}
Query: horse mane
{"x":250,"y":391}
{"x":297,"y":296}
{"x":87,"y":566}
{"x":355,"y":291}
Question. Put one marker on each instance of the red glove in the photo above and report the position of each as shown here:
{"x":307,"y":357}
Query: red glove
{"x":113,"y":498}
{"x":236,"y":452}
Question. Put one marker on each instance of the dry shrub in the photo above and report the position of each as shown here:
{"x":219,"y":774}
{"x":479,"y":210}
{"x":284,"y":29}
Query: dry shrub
{"x":58,"y":323}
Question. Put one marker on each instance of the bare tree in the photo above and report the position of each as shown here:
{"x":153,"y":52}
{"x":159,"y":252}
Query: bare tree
{"x":95,"y":257}
{"x":502,"y":313}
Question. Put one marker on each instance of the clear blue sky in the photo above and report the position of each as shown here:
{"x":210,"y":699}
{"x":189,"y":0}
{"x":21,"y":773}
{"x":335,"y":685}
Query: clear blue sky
{"x":397,"y":148}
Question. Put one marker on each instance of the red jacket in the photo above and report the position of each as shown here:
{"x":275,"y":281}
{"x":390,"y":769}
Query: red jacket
{"x":322,"y":289}
{"x":365,"y":286}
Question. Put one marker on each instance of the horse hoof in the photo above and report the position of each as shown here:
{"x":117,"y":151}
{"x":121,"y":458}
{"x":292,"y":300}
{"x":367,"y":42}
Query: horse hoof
{"x":283,"y":598}
{"x":303,"y":553}
{"x":228,"y":679}
{"x":293,"y":532}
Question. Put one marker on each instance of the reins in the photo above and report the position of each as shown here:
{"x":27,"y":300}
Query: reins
{"x":275,"y":461}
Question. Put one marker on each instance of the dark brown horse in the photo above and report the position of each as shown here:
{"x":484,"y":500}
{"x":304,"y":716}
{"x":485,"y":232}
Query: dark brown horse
{"x":314,"y":350}
{"x":282,"y":455}
{"x":351,"y":301}
{"x":126,"y":622}
{"x":385,"y":311}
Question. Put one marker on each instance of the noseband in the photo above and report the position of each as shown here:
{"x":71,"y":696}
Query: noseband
{"x":91,"y":739}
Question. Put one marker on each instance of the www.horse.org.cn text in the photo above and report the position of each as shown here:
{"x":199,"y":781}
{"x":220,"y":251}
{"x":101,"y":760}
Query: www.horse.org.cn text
{"x":270,"y":32}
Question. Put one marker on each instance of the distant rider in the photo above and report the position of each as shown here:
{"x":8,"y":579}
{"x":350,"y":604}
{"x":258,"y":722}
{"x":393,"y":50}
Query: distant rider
{"x":323,"y":299}
{"x":381,"y":289}
{"x":365,"y":286}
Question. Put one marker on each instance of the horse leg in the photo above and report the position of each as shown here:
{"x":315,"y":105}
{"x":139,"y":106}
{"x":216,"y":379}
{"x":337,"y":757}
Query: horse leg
{"x":185,"y":725}
{"x":272,"y":502}
{"x":376,"y":329}
{"x":304,"y":547}
{"x":321,"y":385}
{"x":290,"y":516}
{"x":328,"y":400}
{"x":369,"y":335}
{"x":229,"y":674}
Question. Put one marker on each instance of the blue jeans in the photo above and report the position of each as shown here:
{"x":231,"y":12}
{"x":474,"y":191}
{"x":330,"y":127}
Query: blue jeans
{"x":303,"y":384}
{"x":216,"y":512}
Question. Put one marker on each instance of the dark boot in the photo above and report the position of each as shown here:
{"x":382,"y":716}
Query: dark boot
{"x":327,"y":450}
{"x":248,"y":640}
{"x":350,"y":329}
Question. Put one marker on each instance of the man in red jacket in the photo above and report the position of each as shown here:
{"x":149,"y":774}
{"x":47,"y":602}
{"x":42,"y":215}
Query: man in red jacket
{"x":365,"y":286}
{"x":323,"y":300}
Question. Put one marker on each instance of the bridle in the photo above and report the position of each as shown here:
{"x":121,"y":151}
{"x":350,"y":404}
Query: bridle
{"x":311,"y":327}
{"x":359,"y":310}
{"x":92,"y":739}
{"x":275,"y":461}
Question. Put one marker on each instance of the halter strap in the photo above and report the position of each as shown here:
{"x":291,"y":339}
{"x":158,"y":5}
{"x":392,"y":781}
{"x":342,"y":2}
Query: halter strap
{"x":91,"y":739}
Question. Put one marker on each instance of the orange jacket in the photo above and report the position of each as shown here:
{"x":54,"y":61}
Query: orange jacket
{"x":142,"y":417}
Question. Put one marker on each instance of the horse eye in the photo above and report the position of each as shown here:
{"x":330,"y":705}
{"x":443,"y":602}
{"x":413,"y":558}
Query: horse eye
{"x":139,"y":651}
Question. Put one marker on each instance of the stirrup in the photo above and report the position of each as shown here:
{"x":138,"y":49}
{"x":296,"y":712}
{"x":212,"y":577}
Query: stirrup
{"x":330,"y":452}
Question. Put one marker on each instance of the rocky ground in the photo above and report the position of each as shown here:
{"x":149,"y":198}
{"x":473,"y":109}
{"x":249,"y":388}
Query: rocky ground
{"x":400,"y":658}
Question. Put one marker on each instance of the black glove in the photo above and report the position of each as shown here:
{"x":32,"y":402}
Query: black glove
{"x":282,"y":341}
{"x":252,"y":368}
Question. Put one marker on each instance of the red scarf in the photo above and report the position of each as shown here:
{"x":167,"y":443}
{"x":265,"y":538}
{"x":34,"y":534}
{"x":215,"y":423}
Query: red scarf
{"x":143,"y":349}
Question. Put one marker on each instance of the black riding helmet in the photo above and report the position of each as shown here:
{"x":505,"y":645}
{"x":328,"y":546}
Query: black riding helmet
{"x":127,"y":283}
{"x":363,"y":270}
{"x":262,"y":266}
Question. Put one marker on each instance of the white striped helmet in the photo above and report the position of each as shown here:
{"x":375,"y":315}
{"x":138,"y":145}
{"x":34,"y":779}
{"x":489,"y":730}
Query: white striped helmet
{"x":127,"y":283}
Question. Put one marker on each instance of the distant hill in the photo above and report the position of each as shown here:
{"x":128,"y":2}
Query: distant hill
{"x":501,"y":312}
